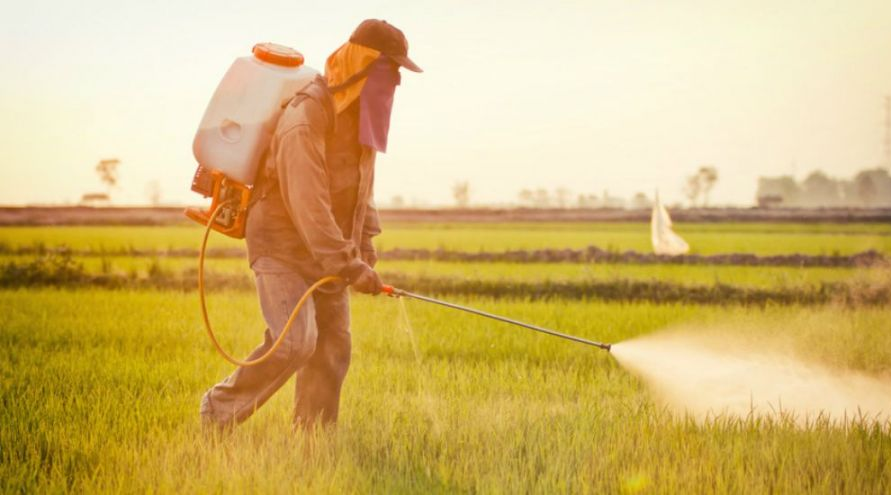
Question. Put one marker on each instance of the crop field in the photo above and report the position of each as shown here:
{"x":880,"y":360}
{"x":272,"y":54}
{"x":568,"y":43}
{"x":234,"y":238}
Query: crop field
{"x":764,"y":239}
{"x":104,"y":360}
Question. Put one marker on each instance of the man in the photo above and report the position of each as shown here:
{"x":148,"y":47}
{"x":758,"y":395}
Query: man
{"x":313,"y":217}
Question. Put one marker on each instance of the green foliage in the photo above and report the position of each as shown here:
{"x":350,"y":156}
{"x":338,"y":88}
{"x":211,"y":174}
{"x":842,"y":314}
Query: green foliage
{"x":54,"y":269}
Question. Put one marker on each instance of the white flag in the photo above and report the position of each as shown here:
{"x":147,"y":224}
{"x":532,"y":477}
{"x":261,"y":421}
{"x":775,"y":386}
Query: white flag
{"x":665,"y":240}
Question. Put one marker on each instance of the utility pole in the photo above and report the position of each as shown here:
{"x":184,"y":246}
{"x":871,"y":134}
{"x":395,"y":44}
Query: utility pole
{"x":888,"y":132}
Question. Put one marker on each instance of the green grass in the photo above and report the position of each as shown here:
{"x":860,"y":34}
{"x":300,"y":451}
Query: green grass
{"x":101,"y":392}
{"x":762,"y":239}
{"x":100,"y":388}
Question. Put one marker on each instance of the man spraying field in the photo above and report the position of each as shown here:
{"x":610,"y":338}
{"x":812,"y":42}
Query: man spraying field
{"x":312,"y":215}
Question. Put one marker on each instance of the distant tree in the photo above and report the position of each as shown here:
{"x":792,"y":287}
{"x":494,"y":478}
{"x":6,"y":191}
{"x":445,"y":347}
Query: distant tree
{"x":692,"y":189}
{"x":108,"y":172}
{"x":820,"y":190}
{"x":587,"y":201}
{"x":542,"y":198}
{"x":848,"y":195}
{"x":640,"y":201}
{"x":708,"y":176}
{"x":612,"y":201}
{"x":561,"y":196}
{"x":461,"y":193}
{"x":153,"y":192}
{"x":527,"y":197}
{"x":701,"y":184}
{"x":397,"y":202}
{"x":777,"y":191}
{"x":873,"y":187}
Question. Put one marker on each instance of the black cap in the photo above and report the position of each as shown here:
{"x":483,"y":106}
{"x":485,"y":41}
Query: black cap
{"x":385,"y":38}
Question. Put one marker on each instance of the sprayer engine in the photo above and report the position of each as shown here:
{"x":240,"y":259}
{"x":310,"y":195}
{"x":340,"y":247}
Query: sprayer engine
{"x":232,"y":195}
{"x":236,"y":129}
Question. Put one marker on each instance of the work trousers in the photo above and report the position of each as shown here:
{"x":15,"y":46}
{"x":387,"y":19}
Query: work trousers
{"x":317,"y":349}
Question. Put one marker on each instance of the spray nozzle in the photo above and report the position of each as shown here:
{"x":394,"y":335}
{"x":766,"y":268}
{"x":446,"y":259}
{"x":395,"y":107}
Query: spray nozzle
{"x":392,"y":291}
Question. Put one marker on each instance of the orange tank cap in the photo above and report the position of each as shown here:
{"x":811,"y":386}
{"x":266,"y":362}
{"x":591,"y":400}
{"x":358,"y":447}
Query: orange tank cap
{"x":278,"y":54}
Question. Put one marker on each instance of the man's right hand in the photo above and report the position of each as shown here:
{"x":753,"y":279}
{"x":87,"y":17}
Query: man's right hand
{"x":367,"y":281}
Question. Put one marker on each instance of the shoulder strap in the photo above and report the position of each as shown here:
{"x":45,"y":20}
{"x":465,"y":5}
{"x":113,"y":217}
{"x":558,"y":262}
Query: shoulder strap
{"x":316,"y":89}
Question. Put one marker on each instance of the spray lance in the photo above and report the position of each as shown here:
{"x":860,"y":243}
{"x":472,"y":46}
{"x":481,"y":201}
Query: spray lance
{"x":394,"y":292}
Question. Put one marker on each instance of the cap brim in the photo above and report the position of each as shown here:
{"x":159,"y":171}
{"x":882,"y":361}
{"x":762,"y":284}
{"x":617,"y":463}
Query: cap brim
{"x":406,"y":62}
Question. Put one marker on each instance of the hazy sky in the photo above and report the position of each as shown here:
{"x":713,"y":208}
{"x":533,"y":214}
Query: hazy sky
{"x":620,"y":95}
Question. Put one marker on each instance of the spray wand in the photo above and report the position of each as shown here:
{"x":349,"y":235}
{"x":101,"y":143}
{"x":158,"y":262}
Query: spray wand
{"x":394,"y":292}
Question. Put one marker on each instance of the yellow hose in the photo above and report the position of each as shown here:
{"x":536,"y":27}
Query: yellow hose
{"x":281,"y":338}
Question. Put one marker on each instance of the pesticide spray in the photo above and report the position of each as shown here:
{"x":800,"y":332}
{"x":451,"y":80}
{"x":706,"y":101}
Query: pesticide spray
{"x":710,"y":379}
{"x":426,"y":401}
{"x":730,"y":379}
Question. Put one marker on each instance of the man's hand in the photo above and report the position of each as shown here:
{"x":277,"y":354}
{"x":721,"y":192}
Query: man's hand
{"x":367,"y":281}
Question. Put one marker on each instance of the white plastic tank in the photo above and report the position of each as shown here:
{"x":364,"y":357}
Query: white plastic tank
{"x":241,"y":116}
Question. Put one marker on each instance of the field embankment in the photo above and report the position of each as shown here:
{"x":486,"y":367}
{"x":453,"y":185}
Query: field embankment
{"x":173,"y":215}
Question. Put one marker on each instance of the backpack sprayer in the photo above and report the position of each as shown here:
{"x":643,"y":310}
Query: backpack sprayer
{"x":236,"y":129}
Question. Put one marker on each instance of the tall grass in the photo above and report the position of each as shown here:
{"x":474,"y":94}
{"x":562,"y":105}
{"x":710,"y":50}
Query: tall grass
{"x":100,"y":392}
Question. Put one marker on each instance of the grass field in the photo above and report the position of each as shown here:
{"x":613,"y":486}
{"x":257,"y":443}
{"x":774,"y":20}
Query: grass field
{"x":100,"y":387}
{"x":107,"y":401}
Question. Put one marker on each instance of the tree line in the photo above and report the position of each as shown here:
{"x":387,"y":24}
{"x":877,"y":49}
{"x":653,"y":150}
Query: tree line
{"x":867,"y":189}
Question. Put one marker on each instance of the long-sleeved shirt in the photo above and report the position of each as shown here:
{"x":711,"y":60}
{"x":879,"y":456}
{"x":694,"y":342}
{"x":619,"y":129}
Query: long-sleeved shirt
{"x":315,"y":209}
